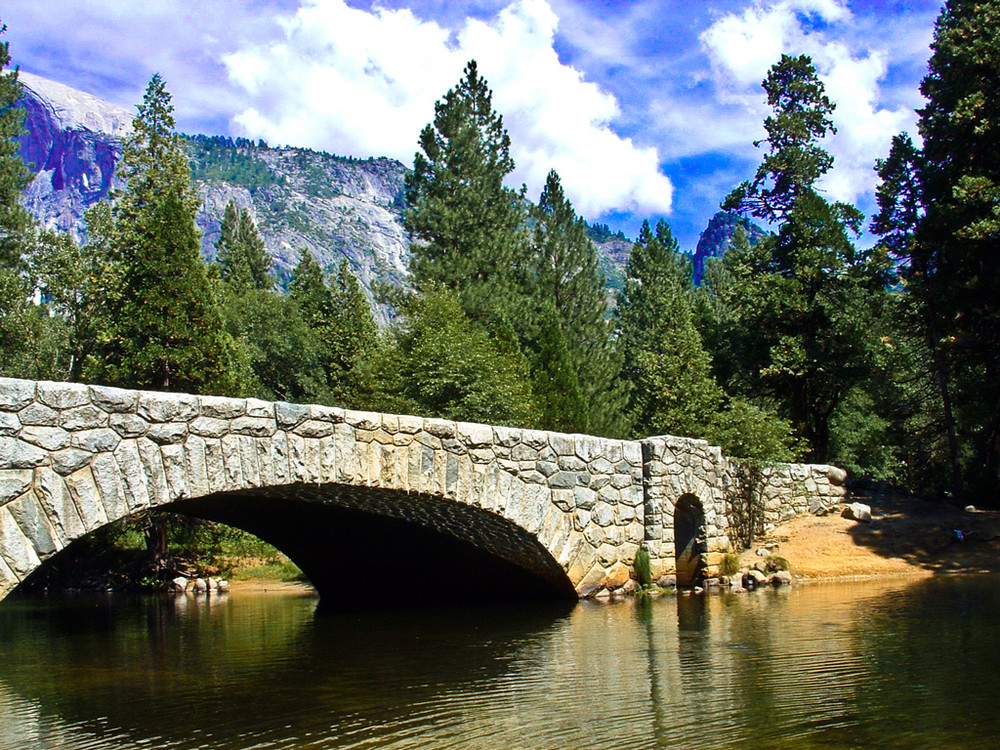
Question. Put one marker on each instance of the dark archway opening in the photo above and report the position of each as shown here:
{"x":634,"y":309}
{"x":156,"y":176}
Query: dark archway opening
{"x":689,"y":540}
{"x":358,"y":559}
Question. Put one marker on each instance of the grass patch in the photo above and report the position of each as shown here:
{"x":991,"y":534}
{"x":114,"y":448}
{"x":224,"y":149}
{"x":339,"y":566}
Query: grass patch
{"x":283,"y":570}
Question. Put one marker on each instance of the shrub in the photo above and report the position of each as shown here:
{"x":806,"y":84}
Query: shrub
{"x":730,"y":564}
{"x":643,"y":571}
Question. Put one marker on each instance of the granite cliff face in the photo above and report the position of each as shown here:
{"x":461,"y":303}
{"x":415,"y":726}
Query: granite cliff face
{"x":72,"y":146}
{"x":333,"y":206}
{"x":718,"y":236}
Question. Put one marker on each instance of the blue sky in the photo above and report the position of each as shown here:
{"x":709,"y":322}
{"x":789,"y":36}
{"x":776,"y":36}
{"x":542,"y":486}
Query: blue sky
{"x":647,"y":109}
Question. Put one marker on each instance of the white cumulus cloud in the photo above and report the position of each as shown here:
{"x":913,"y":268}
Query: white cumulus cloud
{"x":364,"y":83}
{"x":743,"y":46}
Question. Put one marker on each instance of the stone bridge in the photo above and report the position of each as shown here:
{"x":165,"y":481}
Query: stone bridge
{"x":365,"y":502}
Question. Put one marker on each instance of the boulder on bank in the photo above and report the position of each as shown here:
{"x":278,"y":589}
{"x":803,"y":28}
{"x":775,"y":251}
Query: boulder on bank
{"x":857,"y":512}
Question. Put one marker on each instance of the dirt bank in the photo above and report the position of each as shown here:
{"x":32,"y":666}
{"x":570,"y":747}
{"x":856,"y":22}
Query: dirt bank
{"x":906,"y":537}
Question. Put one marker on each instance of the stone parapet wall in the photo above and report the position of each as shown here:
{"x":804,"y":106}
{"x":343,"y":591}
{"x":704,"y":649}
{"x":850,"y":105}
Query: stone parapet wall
{"x":789,"y":490}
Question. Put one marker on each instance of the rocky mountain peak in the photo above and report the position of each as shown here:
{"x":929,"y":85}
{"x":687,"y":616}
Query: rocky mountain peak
{"x":718,"y":236}
{"x":69,"y":109}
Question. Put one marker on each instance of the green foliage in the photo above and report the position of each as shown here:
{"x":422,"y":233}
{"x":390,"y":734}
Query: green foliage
{"x":643,"y":568}
{"x":240,"y":251}
{"x":342,"y":321}
{"x":28,"y":340}
{"x":162,"y":328}
{"x":222,"y":158}
{"x":746,"y":431}
{"x":745,"y":502}
{"x":468,"y":228}
{"x":730,"y":564}
{"x":939,"y":216}
{"x":444,"y":364}
{"x":16,"y":224}
{"x":673,"y":389}
{"x":576,"y":365}
{"x":800,"y":304}
{"x":774,"y":563}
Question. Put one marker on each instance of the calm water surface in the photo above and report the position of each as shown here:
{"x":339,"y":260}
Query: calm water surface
{"x":905,"y":665}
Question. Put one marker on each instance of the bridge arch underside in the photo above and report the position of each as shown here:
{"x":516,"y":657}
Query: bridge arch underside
{"x":370,"y":546}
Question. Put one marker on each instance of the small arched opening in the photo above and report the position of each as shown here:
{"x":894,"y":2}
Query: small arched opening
{"x":689,"y":540}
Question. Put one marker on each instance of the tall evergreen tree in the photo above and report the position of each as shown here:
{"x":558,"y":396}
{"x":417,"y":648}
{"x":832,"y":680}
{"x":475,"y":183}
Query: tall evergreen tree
{"x":673,"y":391}
{"x":16,"y":224}
{"x":468,"y":228}
{"x":227,"y":251}
{"x":164,"y":330}
{"x":342,"y":319}
{"x":30,"y":340}
{"x":577,"y":365}
{"x":240,"y":251}
{"x":922,"y":353}
{"x":802,"y":291}
{"x":960,"y":232}
{"x":258,"y":260}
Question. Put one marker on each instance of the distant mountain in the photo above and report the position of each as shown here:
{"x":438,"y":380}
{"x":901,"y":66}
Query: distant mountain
{"x":717,"y":238}
{"x":72,"y":145}
{"x":334,"y":206}
{"x":337,"y":207}
{"x":613,"y":249}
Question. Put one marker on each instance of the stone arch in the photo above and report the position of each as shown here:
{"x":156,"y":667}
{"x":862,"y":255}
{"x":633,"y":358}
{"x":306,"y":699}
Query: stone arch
{"x":75,"y":457}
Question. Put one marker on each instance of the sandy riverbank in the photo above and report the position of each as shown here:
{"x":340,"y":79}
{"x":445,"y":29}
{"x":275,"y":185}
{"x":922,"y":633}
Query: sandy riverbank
{"x":907,"y":537}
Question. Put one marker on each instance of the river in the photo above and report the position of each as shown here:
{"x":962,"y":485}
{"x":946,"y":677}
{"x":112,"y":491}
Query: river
{"x":912,"y":664}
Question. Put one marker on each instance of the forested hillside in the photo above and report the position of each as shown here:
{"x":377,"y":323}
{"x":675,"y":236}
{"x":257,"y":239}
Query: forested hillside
{"x":797,"y":343}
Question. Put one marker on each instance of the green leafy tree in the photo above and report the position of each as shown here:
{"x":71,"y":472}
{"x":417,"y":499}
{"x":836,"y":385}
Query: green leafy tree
{"x":342,"y":319}
{"x":577,"y":365}
{"x":468,"y":228}
{"x":672,"y":387}
{"x":164,"y":330}
{"x":444,"y":364}
{"x":959,"y":235}
{"x":805,"y":325}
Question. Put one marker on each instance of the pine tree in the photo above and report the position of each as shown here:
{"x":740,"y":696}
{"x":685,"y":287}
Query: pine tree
{"x":922,"y":373}
{"x":30,"y":341}
{"x":16,"y":224}
{"x":256,"y":257}
{"x":577,"y":366}
{"x":240,"y":251}
{"x":806,"y":328}
{"x":342,"y":319}
{"x":468,"y":228}
{"x":227,"y":251}
{"x":673,"y":391}
{"x":164,"y":328}
{"x":960,"y":232}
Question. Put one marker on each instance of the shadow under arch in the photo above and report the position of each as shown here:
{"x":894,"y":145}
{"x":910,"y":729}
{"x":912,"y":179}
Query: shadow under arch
{"x":370,"y":547}
{"x":689,"y":540}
